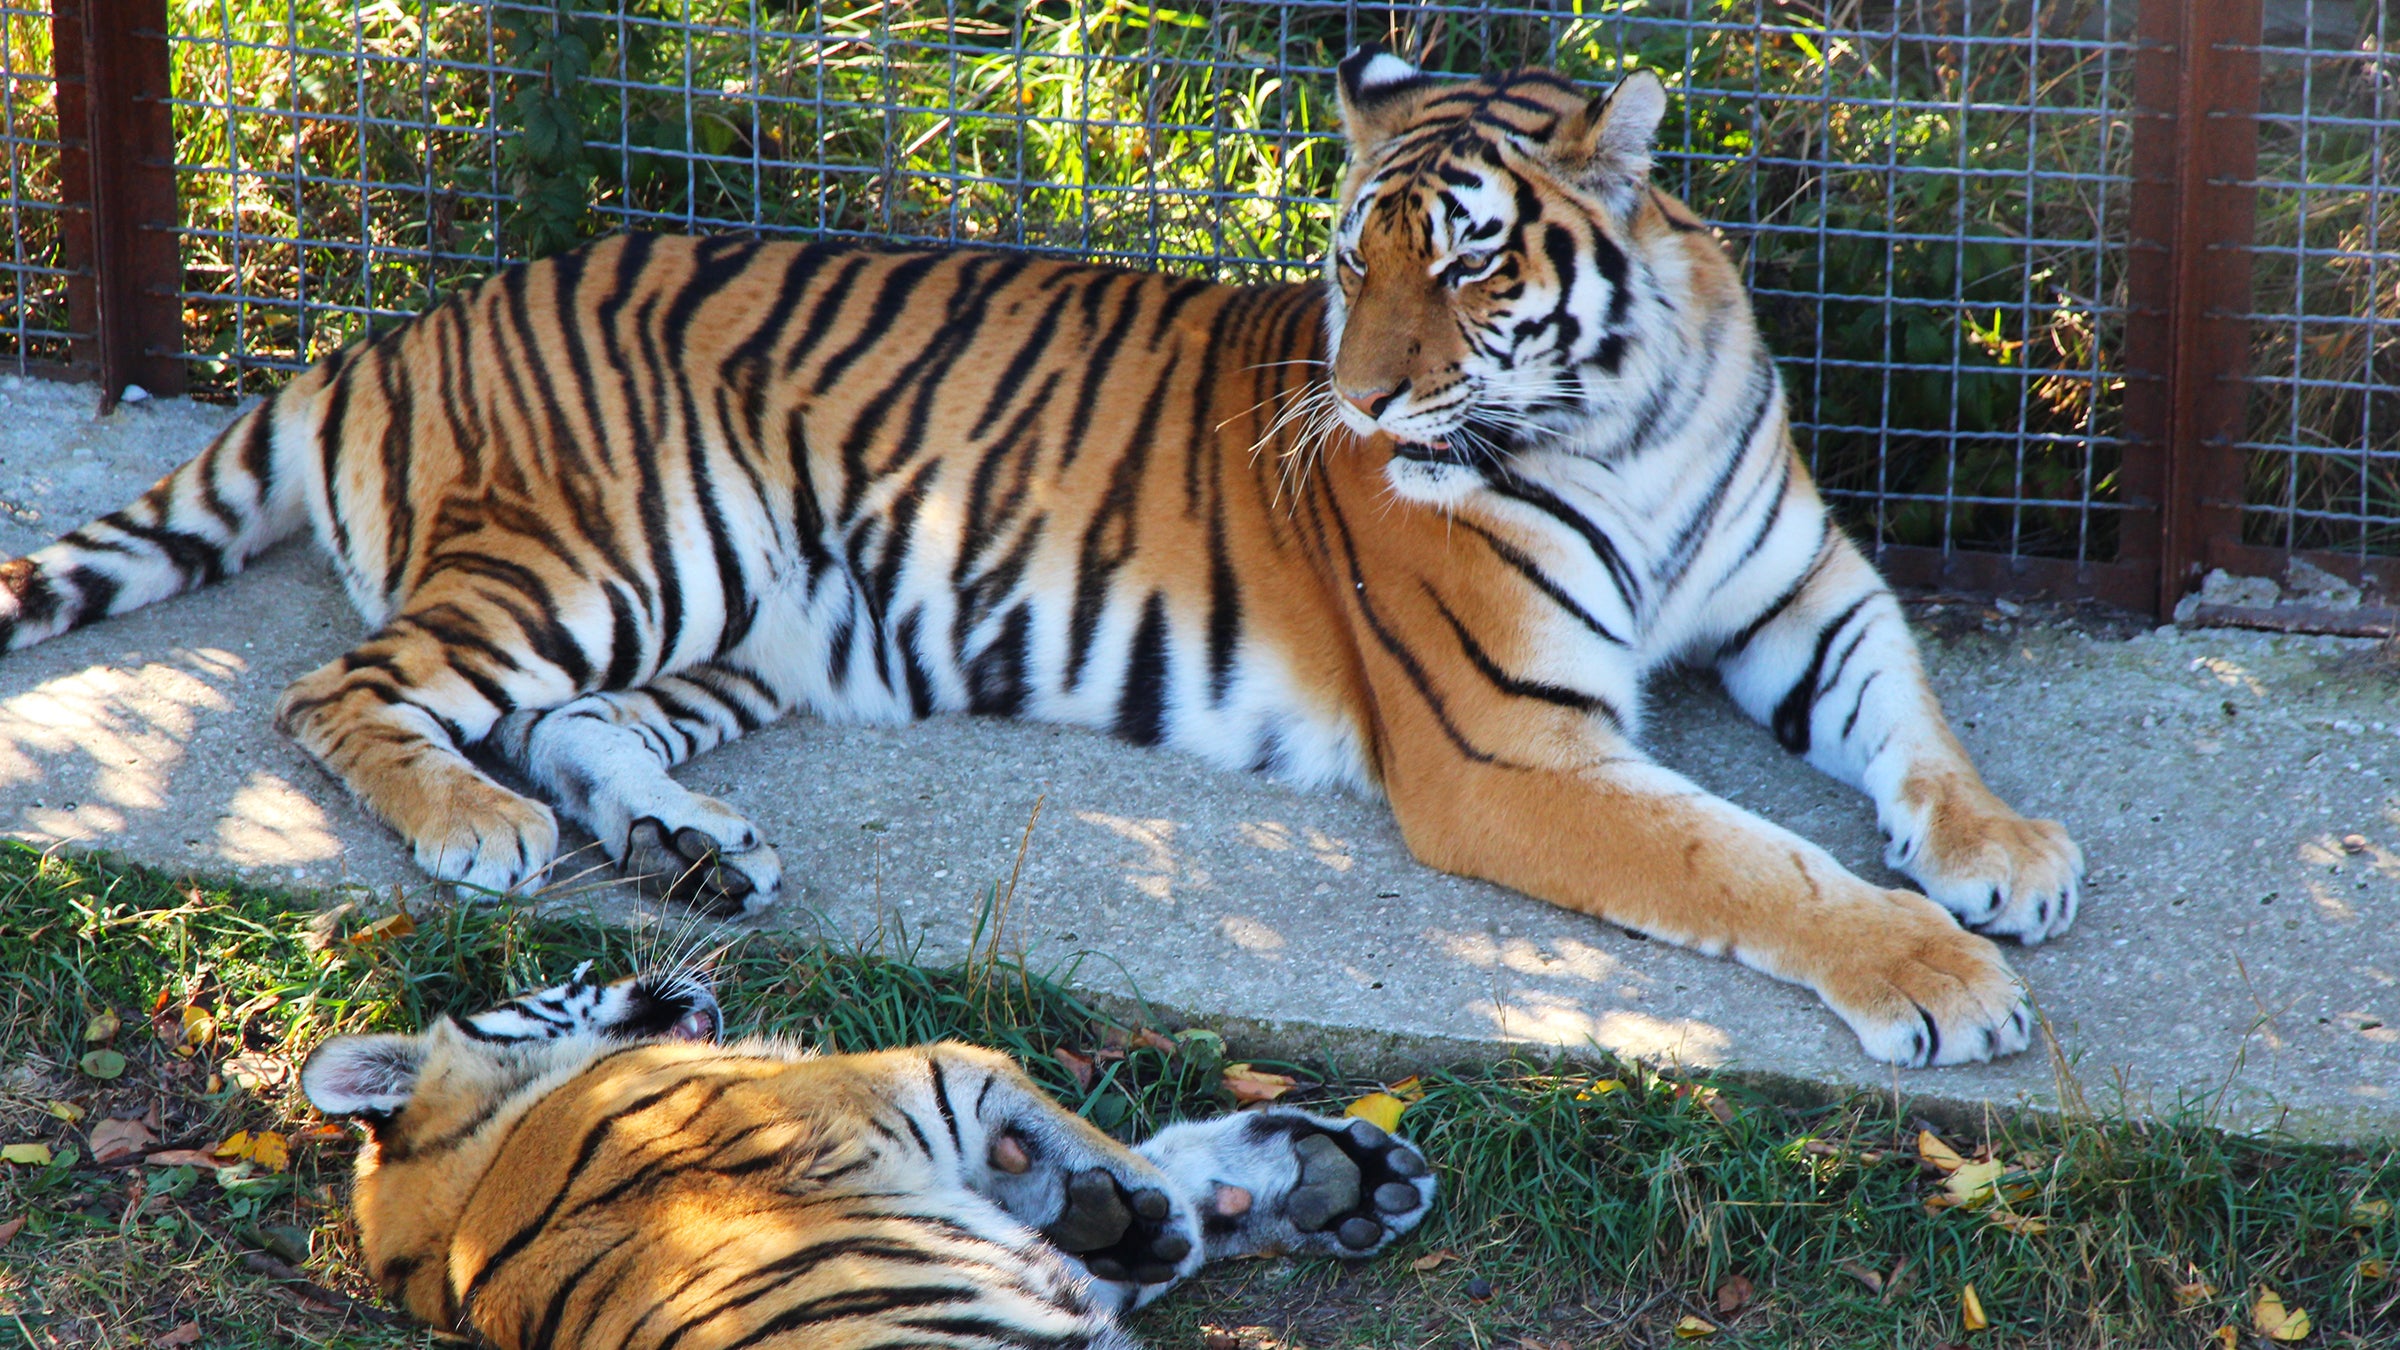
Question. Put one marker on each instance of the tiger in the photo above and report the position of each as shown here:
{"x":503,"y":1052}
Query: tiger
{"x":1421,"y":528}
{"x":589,"y":1165}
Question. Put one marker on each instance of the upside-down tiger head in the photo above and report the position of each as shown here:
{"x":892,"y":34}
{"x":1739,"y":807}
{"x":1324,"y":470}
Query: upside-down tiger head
{"x":1496,"y":254}
{"x":438,"y":1104}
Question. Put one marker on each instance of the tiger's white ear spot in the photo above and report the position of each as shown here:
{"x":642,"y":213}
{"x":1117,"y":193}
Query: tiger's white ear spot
{"x":363,"y":1075}
{"x":1381,"y":69}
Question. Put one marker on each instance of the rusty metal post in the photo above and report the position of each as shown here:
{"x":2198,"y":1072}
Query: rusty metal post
{"x":117,"y":175}
{"x":2195,"y":152}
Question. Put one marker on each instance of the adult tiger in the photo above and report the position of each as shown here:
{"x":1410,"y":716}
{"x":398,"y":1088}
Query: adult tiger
{"x":1424,"y":528}
{"x":583,"y":1166}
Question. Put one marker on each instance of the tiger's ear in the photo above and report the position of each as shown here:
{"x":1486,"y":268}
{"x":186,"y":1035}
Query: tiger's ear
{"x":1608,"y":144}
{"x":363,"y":1075}
{"x":1373,"y":87}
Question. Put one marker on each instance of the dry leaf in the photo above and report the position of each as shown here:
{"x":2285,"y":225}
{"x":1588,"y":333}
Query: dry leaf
{"x":2275,"y":1321}
{"x":1970,"y":1309}
{"x":264,"y":1147}
{"x":1693,"y":1328}
{"x":2368,"y":1213}
{"x":2228,"y":1338}
{"x":187,"y":1334}
{"x":1251,"y":1086}
{"x":1380,"y":1109}
{"x":392,"y":928}
{"x":199,"y":1028}
{"x":1410,"y":1089}
{"x":9,"y":1229}
{"x":1600,"y":1089}
{"x":102,"y":1028}
{"x":114,"y":1139}
{"x":1970,"y":1183}
{"x":1156,"y":1041}
{"x":27,"y":1155}
{"x":1937,"y":1153}
{"x":66,"y":1111}
{"x":1432,"y":1260}
{"x":2373,"y":1269}
{"x":2196,"y":1292}
{"x":1078,"y":1065}
{"x":1873,"y":1280}
{"x":320,"y":1134}
{"x":257,"y":1073}
{"x":1733,"y":1295}
{"x":2023,"y":1225}
{"x":182,"y":1157}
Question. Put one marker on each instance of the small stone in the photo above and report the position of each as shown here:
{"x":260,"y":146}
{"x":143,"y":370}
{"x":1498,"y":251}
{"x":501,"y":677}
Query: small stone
{"x":2354,"y":843}
{"x":134,"y":393}
{"x":1479,"y":1289}
{"x":2221,"y":587}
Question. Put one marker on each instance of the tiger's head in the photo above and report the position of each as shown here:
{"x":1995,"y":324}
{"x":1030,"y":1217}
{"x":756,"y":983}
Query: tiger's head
{"x":437,"y":1105}
{"x":1498,"y":254}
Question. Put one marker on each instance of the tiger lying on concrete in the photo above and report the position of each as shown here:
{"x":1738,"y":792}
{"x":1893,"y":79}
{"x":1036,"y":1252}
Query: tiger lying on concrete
{"x":1422,"y":529}
{"x":585,"y":1166}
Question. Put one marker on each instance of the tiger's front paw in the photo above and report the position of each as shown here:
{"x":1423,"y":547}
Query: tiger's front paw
{"x":482,"y":836}
{"x":1281,"y":1179}
{"x":707,"y":857}
{"x":1920,"y":991}
{"x":2001,"y":874}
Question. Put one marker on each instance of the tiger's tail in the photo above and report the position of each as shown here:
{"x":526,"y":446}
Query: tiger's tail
{"x":198,"y":524}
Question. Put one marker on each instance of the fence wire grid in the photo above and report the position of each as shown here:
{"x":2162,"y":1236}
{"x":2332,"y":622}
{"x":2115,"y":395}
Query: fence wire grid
{"x":1929,"y":197}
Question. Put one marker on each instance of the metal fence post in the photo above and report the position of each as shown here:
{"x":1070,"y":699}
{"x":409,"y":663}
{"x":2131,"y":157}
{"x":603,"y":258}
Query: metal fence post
{"x":2195,"y":155}
{"x":117,"y":175}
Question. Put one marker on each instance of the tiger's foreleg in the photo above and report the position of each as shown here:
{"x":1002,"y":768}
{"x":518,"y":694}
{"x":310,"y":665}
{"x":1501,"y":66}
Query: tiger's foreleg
{"x":603,"y":759}
{"x":1835,"y":673}
{"x":391,"y":719}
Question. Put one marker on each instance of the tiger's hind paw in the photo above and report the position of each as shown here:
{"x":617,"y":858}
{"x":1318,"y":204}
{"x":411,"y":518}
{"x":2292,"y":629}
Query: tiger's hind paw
{"x":1281,"y":1179}
{"x":716,"y":864}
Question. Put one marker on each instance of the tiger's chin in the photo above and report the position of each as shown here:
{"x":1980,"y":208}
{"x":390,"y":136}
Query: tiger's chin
{"x":1431,"y":476}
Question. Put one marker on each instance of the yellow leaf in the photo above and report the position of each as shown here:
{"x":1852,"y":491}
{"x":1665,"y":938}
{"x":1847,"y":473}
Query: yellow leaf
{"x":1410,"y":1089}
{"x":1970,"y":1309}
{"x":2198,"y":1291}
{"x":398,"y":925}
{"x":29,"y":1155}
{"x":1380,"y":1109}
{"x":66,"y":1111}
{"x":2275,"y":1321}
{"x":199,"y":1026}
{"x":234,"y":1145}
{"x":2373,"y":1269}
{"x":2368,"y":1213}
{"x":2229,"y":1338}
{"x":270,"y":1150}
{"x":1938,"y":1153}
{"x":2023,"y":1225}
{"x":1971,"y":1183}
{"x":102,"y":1028}
{"x":1600,"y":1089}
{"x":1432,"y":1260}
{"x":1250,"y":1086}
{"x":1693,"y":1328}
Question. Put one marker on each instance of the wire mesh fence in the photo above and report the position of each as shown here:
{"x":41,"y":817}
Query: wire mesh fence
{"x":35,"y":329}
{"x":1930,"y":197}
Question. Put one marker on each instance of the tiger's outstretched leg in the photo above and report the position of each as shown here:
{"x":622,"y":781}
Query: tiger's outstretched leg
{"x":603,"y":760}
{"x":1835,"y":673}
{"x":392,"y":716}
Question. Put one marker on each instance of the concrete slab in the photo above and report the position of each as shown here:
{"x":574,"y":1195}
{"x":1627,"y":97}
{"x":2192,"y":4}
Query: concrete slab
{"x":2234,"y":951}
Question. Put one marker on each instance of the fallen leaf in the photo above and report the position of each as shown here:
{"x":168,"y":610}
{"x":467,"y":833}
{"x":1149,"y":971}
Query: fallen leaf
{"x":2228,"y":1338}
{"x":254,"y":1072}
{"x":1600,"y":1089}
{"x":66,"y":1111}
{"x":1380,"y":1109}
{"x":2368,"y":1213}
{"x":1873,"y":1280}
{"x":1157,"y":1042}
{"x":1970,"y":1183}
{"x":2196,"y":1292}
{"x":1432,"y":1260}
{"x":1078,"y":1065}
{"x":1970,"y":1309}
{"x":199,"y":1028}
{"x":1733,"y":1295}
{"x":264,"y":1147}
{"x":1937,"y":1153}
{"x":1693,"y":1328}
{"x":182,"y":1157}
{"x":187,"y":1334}
{"x":392,"y":928}
{"x":2275,"y":1321}
{"x":114,"y":1139}
{"x":102,"y":1028}
{"x":1251,"y":1086}
{"x":1897,"y":1283}
{"x":320,"y":1134}
{"x":1410,"y":1089}
{"x":2023,"y":1225}
{"x":9,"y":1229}
{"x":28,"y":1155}
{"x":2373,"y":1269}
{"x":103,"y":1064}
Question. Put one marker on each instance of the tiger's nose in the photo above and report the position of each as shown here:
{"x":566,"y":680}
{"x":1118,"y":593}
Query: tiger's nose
{"x":1372,"y":402}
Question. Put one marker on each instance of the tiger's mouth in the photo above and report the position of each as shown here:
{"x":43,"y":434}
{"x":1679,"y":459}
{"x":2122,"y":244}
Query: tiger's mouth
{"x":1440,"y":452}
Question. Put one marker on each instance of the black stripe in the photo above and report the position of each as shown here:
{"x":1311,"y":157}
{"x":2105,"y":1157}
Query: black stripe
{"x":941,"y":1101}
{"x":1142,"y":702}
{"x":1531,"y":570}
{"x":1517,"y":685}
{"x":1792,"y":713}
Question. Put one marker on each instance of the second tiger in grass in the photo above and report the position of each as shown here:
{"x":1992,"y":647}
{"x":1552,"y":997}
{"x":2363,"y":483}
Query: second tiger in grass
{"x":1422,"y":529}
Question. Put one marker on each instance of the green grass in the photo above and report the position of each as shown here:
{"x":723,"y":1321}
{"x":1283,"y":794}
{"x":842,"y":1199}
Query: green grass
{"x":1581,"y":1206}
